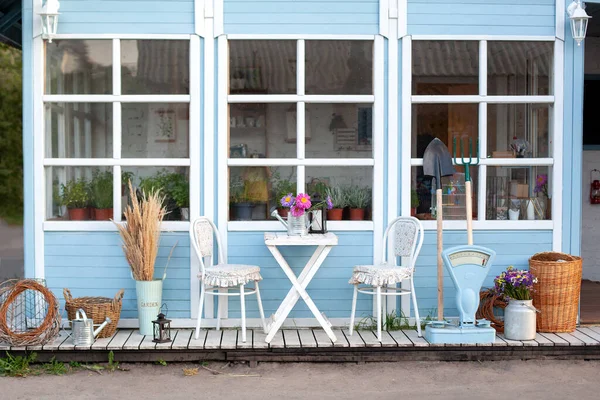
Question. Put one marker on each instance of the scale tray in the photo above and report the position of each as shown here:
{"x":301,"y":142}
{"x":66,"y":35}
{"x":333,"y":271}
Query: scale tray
{"x":456,"y":335}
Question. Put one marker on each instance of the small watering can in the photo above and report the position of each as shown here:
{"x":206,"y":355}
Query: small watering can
{"x":296,"y":226}
{"x":83,"y":329}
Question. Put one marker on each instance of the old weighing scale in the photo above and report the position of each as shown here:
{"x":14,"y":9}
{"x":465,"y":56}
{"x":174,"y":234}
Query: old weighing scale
{"x":468,"y":266}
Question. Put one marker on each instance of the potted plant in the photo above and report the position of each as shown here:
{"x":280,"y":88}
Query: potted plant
{"x":338,"y":201}
{"x":75,"y":196}
{"x":299,"y":207}
{"x":358,"y":199}
{"x":101,"y":195}
{"x":414,"y":202}
{"x":180,"y":192}
{"x":239,"y":201}
{"x":281,"y":187}
{"x":164,"y":182}
{"x":140,"y":234}
{"x":126,"y":176}
{"x":516,"y":286}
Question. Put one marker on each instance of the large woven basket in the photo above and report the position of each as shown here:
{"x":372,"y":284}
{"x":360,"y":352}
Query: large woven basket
{"x":556,"y":294}
{"x":96,"y":308}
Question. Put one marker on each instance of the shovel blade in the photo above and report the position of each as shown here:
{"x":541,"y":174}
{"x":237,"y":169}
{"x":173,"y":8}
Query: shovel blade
{"x":437,"y":161}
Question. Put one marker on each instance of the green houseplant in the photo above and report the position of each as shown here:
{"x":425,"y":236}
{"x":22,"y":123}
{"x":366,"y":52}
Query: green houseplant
{"x":339,"y":201}
{"x":240,"y":200}
{"x":101,"y":195}
{"x":414,"y":202}
{"x":358,"y":200}
{"x":281,"y":187}
{"x":165,"y":182}
{"x":75,"y":197}
{"x":180,"y":192}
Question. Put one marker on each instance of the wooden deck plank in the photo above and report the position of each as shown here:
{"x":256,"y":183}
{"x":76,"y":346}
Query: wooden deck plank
{"x":102,"y":343}
{"x":573,"y":341}
{"x":413,"y":336}
{"x":401,"y":339}
{"x":307,"y":338}
{"x":322,"y":338}
{"x":57,"y":341}
{"x":147,"y":343}
{"x":590,"y":332}
{"x":230,"y":338}
{"x":499,"y":341}
{"x":259,"y":340}
{"x":197,"y":343}
{"x":514,"y":343}
{"x":213,"y":339}
{"x":594,"y":328}
{"x":530,"y":343}
{"x":249,"y":339}
{"x":6,"y":346}
{"x":588,"y":341}
{"x":291,"y":338}
{"x":277,"y":341}
{"x":370,"y":338}
{"x":341,"y":339}
{"x":542,"y":341}
{"x":354,"y":340}
{"x":182,"y":339}
{"x":134,"y":341}
{"x":387,"y":340}
{"x":167,"y":345}
{"x":69,"y":345}
{"x":119,"y":339}
{"x":557,"y":340}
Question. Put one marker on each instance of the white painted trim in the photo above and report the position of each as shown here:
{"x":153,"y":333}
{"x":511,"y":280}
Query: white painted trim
{"x":384,"y":17}
{"x":421,"y":99}
{"x":109,"y":98}
{"x":268,"y":226}
{"x":125,"y":36}
{"x":482,"y":130}
{"x":301,"y":67}
{"x":107,"y":226}
{"x":199,"y":20}
{"x":558,"y":137}
{"x":311,"y":162}
{"x":268,"y":36}
{"x":125,"y":162}
{"x":223,"y":140}
{"x":406,"y":125}
{"x":39,"y":173}
{"x":37,"y":20}
{"x":561,"y":17}
{"x":393,"y":131}
{"x":502,"y":162}
{"x":402,"y":18}
{"x":209,"y":129}
{"x":378,"y":147}
{"x":486,"y":37}
{"x":293,"y":98}
{"x":218,"y":18}
{"x":461,"y":225}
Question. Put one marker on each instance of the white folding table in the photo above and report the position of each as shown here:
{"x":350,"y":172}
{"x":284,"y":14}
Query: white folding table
{"x":324,"y":243}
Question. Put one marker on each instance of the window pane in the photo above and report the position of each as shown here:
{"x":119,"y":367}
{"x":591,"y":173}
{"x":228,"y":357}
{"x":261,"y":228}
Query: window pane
{"x":253,"y":191}
{"x":445,"y":67}
{"x":518,"y":193}
{"x":79,"y":67}
{"x":173,"y":183}
{"x":79,"y":193}
{"x":262,"y":66}
{"x":339,"y":67}
{"x":262,"y":130}
{"x":350,"y":189}
{"x":454,"y":206}
{"x":78,"y":130}
{"x":519,"y":130}
{"x":520,"y":68}
{"x":155,"y":66}
{"x":443,"y":121}
{"x":155,"y":130}
{"x":339,"y":131}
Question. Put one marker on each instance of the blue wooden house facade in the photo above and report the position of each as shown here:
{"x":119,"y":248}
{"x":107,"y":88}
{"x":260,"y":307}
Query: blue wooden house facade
{"x":240,"y":98}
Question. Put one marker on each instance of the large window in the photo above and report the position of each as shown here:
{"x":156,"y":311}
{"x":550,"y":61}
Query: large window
{"x":301,"y":119}
{"x":115,"y":111}
{"x":499,"y":96}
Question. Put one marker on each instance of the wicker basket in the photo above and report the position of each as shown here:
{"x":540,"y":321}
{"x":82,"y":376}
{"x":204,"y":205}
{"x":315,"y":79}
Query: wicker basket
{"x":96,"y":308}
{"x":556,"y":294}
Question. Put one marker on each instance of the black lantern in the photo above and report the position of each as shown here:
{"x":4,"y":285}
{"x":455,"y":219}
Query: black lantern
{"x":162,"y":329}
{"x":318,"y":216}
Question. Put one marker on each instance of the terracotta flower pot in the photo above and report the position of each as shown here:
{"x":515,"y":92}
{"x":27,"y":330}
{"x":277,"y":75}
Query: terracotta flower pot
{"x":78,"y":214}
{"x":357,"y":214}
{"x":91,"y":213}
{"x":335,"y":214}
{"x":283,"y":212}
{"x":103,"y":214}
{"x":413,"y":211}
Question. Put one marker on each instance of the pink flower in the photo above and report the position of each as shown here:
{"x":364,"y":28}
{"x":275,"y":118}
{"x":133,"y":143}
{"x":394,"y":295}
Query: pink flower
{"x":297,"y":211}
{"x":303,"y":201}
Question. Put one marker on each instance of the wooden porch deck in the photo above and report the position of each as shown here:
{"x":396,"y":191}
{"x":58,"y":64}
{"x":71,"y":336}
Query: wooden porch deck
{"x":314,"y":345}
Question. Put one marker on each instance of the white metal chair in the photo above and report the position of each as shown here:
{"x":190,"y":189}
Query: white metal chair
{"x":223,"y":275}
{"x":408,"y":239}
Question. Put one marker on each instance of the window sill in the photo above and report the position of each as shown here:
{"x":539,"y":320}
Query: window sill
{"x":267,"y":226}
{"x":492,"y":225}
{"x":107,"y":226}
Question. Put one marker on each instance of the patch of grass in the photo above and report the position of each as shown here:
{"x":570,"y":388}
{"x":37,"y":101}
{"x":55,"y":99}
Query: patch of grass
{"x":74,"y":364}
{"x":160,"y":361}
{"x":55,"y":367}
{"x":394,"y":322}
{"x":16,"y":366}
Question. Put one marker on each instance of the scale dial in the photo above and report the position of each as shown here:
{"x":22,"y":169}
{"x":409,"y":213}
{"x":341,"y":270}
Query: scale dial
{"x":471,"y":257}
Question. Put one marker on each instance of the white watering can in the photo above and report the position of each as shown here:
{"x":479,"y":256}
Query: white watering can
{"x":83,"y":329}
{"x":296,"y":226}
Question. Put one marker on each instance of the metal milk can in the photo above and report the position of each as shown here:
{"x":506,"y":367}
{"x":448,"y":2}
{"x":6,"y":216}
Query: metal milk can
{"x":519,"y":320}
{"x":83,"y":329}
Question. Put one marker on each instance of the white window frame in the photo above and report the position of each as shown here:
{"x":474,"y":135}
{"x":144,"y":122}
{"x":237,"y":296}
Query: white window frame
{"x":300,"y":98}
{"x":482,"y":99}
{"x":116,"y":162}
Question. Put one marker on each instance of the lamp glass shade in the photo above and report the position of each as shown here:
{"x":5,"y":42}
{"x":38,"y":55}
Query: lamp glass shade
{"x":579,"y":23}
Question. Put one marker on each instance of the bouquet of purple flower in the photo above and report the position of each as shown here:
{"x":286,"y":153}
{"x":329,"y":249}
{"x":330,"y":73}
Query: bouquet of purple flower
{"x":301,"y":203}
{"x":516,"y":284}
{"x":541,"y":184}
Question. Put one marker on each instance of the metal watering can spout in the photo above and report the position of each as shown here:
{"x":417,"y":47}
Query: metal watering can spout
{"x":275,"y":214}
{"x":106,"y":322}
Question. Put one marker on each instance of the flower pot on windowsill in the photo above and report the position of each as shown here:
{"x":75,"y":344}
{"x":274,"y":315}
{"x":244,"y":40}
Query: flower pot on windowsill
{"x":335,"y":214}
{"x":283,"y":212}
{"x":78,"y":214}
{"x":413,"y":211}
{"x":102,"y":214}
{"x":242,"y":211}
{"x":357,"y":214}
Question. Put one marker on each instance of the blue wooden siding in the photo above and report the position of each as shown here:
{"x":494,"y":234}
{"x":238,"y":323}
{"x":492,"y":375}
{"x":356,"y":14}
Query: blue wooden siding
{"x":481,"y":17}
{"x":126,"y":16}
{"x":301,"y":16}
{"x":512,"y":248}
{"x":93,"y":264}
{"x":329,"y":289}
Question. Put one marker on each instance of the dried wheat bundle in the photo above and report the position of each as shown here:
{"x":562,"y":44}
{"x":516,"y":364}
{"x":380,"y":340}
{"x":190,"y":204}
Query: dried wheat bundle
{"x":141,"y":232}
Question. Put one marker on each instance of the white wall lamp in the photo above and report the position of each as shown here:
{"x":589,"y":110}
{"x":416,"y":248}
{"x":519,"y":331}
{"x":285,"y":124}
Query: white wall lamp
{"x":579,"y":21}
{"x":49,"y":16}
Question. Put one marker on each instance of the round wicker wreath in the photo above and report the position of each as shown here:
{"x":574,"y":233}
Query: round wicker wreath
{"x":488,"y":299}
{"x":15,"y":334}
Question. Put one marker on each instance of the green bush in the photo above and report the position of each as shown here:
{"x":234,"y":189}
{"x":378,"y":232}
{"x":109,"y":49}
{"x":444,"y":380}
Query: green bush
{"x":75,"y":194}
